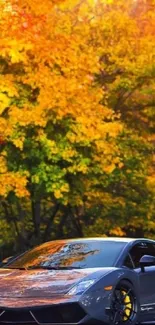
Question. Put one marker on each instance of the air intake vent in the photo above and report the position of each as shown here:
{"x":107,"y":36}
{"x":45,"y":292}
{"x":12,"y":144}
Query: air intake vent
{"x":16,"y":316}
{"x":65,"y":313}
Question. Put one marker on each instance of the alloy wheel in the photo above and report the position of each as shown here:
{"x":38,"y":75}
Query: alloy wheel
{"x":124,"y":306}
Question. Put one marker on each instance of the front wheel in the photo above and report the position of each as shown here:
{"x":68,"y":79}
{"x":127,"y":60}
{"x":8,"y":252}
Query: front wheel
{"x":124,"y":305}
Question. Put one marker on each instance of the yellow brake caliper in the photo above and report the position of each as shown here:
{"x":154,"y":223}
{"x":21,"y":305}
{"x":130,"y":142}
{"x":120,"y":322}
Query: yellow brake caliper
{"x":127,"y":301}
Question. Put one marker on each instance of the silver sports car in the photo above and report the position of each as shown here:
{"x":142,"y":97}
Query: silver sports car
{"x":80,"y":281}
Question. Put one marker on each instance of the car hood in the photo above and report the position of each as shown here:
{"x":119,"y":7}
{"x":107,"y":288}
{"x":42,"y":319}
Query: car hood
{"x":43,"y":283}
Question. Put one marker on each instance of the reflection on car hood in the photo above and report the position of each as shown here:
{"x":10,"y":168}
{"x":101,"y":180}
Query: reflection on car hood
{"x":43,"y":283}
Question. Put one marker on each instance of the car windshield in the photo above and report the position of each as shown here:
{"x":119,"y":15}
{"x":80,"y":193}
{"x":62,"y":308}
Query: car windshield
{"x":63,"y":255}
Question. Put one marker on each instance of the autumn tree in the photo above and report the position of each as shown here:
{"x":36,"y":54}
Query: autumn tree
{"x":56,"y":129}
{"x":76,"y":117}
{"x":127,"y":75}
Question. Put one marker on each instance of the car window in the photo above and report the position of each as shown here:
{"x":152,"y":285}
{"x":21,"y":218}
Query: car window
{"x":139,"y":250}
{"x":128,"y":262}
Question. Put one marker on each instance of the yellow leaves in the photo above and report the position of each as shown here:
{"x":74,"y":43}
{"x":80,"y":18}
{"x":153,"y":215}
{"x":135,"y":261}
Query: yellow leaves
{"x":84,"y":11}
{"x":117,"y":232}
{"x":63,"y":73}
{"x":18,"y":142}
{"x":26,"y":116}
{"x":7,"y":91}
{"x":7,"y":85}
{"x":68,"y":154}
{"x":4,"y":102}
{"x":5,"y":128}
{"x":3,"y":167}
{"x":16,"y":182}
{"x":94,"y":197}
{"x":41,"y":7}
{"x":107,"y":156}
{"x":16,"y":49}
{"x":20,"y":187}
{"x":15,"y":56}
{"x":3,"y":124}
{"x":78,"y":168}
{"x":109,"y":169}
{"x":109,"y":1}
{"x":54,"y":61}
{"x":151,"y":182}
{"x":64,"y":66}
{"x":68,"y":4}
{"x":120,"y":165}
{"x":59,"y":192}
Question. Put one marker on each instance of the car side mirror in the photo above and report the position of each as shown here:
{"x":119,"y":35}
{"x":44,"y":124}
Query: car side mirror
{"x":6,"y":261}
{"x":146,"y":260}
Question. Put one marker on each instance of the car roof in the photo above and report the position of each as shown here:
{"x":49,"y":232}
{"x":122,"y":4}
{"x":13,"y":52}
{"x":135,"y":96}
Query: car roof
{"x":122,"y":239}
{"x":112,"y":239}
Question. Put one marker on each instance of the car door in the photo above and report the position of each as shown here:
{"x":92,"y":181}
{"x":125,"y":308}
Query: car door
{"x":147,"y":278}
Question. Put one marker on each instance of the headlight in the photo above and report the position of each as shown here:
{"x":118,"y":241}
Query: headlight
{"x":80,"y":287}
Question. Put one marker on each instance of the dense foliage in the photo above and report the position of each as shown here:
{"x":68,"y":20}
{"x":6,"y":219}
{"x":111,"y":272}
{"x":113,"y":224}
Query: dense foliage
{"x":77,"y":120}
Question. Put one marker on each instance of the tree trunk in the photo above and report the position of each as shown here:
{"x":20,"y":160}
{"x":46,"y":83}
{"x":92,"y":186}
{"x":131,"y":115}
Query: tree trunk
{"x":49,"y":223}
{"x":36,"y":213}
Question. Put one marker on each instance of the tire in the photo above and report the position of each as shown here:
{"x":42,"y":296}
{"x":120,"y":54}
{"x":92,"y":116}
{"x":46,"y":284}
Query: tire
{"x":124,"y":308}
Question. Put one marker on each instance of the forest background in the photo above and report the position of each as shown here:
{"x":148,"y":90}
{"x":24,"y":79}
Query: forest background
{"x":77,"y":120}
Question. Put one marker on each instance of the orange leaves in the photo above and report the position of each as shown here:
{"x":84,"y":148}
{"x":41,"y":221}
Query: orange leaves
{"x":52,"y":59}
{"x":26,"y":116}
{"x":65,"y":66}
{"x":76,"y":109}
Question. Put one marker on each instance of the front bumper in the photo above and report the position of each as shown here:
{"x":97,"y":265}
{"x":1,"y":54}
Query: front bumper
{"x":85,"y":309}
{"x":70,"y":313}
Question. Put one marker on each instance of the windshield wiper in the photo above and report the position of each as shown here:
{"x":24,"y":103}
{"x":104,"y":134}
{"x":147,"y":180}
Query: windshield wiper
{"x":15,"y":268}
{"x":54,"y":267}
